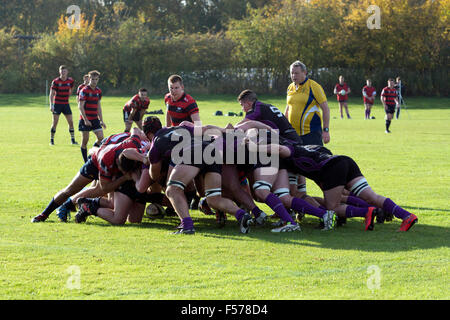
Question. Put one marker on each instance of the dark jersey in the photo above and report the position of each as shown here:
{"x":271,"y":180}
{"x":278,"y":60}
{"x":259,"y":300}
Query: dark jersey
{"x":92,"y":98}
{"x":165,"y":140}
{"x":63,"y":89}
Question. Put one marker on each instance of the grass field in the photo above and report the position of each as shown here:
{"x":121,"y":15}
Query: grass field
{"x":146,"y":261}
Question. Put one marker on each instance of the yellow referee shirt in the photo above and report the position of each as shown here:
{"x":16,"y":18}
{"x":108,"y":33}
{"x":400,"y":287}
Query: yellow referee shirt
{"x":303,"y":106}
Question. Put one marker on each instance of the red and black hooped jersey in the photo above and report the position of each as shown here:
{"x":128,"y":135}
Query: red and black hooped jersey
{"x":182,"y":109}
{"x":389,"y":95}
{"x":63,"y":89}
{"x":105,"y":158}
{"x":80,"y":87}
{"x":92,"y":97}
{"x":136,"y":103}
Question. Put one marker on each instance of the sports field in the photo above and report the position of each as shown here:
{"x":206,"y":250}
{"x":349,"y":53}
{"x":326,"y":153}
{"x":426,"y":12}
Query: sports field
{"x":95,"y":260}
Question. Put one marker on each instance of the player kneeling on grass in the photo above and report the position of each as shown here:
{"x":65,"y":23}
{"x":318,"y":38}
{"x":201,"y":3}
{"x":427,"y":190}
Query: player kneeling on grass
{"x":102,"y":166}
{"x":333,"y":173}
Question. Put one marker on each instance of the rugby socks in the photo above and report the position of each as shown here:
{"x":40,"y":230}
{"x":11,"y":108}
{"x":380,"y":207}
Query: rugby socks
{"x":50,"y":208}
{"x":277,"y":206}
{"x":352,"y":212}
{"x":303,"y":206}
{"x":357,"y":202}
{"x":52,"y":135}
{"x":397,"y":211}
{"x":388,"y":124}
{"x":256,"y":211}
{"x":84,"y":154}
{"x":72,"y":135}
{"x":69,"y":205}
{"x":187,"y":223}
{"x":239,"y":214}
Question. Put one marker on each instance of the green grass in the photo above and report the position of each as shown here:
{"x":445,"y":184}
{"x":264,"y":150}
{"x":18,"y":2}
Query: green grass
{"x":145,"y":261}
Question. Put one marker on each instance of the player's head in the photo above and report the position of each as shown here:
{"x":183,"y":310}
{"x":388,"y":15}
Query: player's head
{"x":298,"y":72}
{"x":341,"y":79}
{"x":398,"y":79}
{"x":63,"y":71}
{"x":151,"y":125}
{"x":369,"y":82}
{"x":391,"y":82}
{"x":86,"y":79}
{"x":246,"y":99}
{"x":94,"y":76}
{"x":127,"y":165}
{"x":176,"y":87}
{"x":142,"y":93}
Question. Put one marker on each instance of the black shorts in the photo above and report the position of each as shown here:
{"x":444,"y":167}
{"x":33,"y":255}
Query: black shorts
{"x":126,"y":116}
{"x":89,"y":170}
{"x":61,"y":108}
{"x":128,"y":188}
{"x":338,"y":172}
{"x":190,"y":154}
{"x":389,"y":109}
{"x":95,"y":125}
{"x":312,"y":138}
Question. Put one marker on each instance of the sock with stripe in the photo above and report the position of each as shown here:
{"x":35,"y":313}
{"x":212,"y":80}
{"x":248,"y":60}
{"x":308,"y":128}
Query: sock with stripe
{"x":397,"y":211}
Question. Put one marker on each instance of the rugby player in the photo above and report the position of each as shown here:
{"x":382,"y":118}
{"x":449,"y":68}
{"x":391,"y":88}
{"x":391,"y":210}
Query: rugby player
{"x":389,"y":99}
{"x":369,"y":93}
{"x":135,"y":108}
{"x":91,"y":117}
{"x":333,"y":173}
{"x":180,"y":105}
{"x":342,"y":98}
{"x":60,"y":91}
{"x":105,"y":165}
{"x":81,"y":86}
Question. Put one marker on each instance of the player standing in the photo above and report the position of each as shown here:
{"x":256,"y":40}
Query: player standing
{"x":60,"y":91}
{"x":389,"y":99}
{"x":81,"y":86}
{"x":180,"y":106}
{"x":341,"y":90}
{"x":369,"y":94}
{"x":134,"y":109}
{"x":91,"y":117}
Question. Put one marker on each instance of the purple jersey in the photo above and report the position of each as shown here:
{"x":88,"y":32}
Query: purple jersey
{"x":165,"y":140}
{"x":273,"y":117}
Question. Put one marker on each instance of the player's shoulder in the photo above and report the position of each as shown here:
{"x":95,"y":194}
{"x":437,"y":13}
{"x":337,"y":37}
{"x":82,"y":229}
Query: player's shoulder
{"x":70,"y":79}
{"x":188,"y":98}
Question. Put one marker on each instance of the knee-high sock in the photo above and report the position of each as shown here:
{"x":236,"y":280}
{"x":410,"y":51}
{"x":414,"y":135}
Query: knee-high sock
{"x":397,"y":211}
{"x":303,"y":206}
{"x":357,"y":202}
{"x":352,"y":212}
{"x":276,"y":205}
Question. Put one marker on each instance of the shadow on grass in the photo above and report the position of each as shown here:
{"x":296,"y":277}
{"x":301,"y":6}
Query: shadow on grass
{"x":384,"y":237}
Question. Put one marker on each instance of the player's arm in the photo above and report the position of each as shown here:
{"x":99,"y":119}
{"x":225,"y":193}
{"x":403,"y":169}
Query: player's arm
{"x":168,"y":119}
{"x":365,"y":94}
{"x":249,"y":124}
{"x":326,"y":121}
{"x":134,"y":154}
{"x":271,"y":148}
{"x":348,"y":90}
{"x":335,"y":89}
{"x":155,"y":171}
{"x":108,"y":186}
{"x":81,"y":105}
{"x":51,"y":99}
{"x":195,"y":117}
{"x":383,"y":98}
{"x":100,"y":114}
{"x":286,"y":112}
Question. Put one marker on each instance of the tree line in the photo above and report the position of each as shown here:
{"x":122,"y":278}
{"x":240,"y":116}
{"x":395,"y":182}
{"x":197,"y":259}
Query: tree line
{"x":222,"y":46}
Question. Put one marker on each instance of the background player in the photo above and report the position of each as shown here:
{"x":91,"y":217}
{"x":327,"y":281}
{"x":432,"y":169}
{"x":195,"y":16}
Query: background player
{"x":341,"y":90}
{"x":81,"y":86}
{"x":60,"y":91}
{"x":91,"y":117}
{"x":180,"y":106}
{"x":389,"y":99}
{"x":369,"y":94}
{"x":134,"y":109}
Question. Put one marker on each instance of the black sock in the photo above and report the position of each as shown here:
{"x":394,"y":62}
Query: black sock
{"x":50,"y":208}
{"x":84,"y":153}
{"x":388,"y":124}
{"x":72,"y":134}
